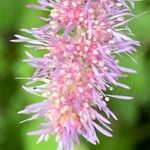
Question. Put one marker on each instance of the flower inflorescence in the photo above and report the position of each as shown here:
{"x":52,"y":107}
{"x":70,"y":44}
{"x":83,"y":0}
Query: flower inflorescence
{"x":83,"y":39}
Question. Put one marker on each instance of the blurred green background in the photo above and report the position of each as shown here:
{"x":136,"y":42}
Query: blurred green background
{"x":131,"y":131}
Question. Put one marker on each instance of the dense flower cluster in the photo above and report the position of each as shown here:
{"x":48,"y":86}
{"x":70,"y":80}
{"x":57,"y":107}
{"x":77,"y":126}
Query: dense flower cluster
{"x":82,"y":39}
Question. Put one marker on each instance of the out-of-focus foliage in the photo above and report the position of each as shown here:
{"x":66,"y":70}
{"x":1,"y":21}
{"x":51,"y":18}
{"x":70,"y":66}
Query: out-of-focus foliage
{"x":131,"y":132}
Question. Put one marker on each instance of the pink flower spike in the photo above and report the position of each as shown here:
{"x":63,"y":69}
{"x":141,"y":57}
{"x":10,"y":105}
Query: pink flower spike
{"x":82,"y":39}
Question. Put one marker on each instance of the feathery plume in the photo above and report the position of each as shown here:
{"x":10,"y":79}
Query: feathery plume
{"x":82,"y":39}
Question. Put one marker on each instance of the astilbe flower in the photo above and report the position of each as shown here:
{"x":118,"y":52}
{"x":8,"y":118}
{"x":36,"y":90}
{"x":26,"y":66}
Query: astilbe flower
{"x":83,"y":39}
